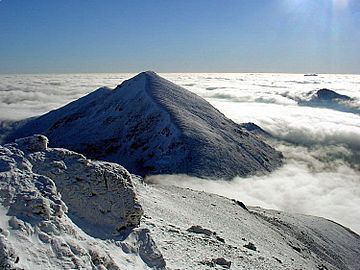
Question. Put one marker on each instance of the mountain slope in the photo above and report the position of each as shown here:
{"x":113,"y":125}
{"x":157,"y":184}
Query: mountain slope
{"x":152,"y":126}
{"x":59,"y":210}
{"x":197,"y":230}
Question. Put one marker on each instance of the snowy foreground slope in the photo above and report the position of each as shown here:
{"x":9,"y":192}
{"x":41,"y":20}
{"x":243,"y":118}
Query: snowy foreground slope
{"x":59,"y":210}
{"x":197,"y":230}
{"x":152,"y":126}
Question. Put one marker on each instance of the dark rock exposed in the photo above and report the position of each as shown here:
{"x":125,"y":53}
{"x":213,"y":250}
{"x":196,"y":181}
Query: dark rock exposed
{"x":326,"y":98}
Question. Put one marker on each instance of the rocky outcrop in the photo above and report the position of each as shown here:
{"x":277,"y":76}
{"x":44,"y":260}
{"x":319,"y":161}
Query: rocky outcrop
{"x":61,"y":210}
{"x":152,"y":126}
{"x":100,"y":193}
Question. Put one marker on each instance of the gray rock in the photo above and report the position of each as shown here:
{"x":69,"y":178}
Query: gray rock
{"x":200,"y":230}
{"x":222,"y":262}
{"x":140,"y":242}
{"x":250,"y":246}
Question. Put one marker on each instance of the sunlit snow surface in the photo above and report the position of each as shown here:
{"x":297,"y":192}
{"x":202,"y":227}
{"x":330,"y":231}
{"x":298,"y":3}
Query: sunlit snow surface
{"x":321,"y":174}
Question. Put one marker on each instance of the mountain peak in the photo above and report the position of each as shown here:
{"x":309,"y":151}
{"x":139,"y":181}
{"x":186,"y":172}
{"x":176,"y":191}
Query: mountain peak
{"x":145,"y":74}
{"x":153,"y":126}
{"x":149,"y":73}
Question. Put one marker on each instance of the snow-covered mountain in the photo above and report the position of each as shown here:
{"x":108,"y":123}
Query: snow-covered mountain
{"x":59,"y":210}
{"x":152,"y":126}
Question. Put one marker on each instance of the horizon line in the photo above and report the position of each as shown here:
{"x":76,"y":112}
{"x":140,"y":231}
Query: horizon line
{"x":173,"y":72}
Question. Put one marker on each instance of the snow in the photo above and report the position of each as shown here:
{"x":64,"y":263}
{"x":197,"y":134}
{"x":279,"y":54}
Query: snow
{"x":44,"y":226}
{"x":223,"y":229}
{"x":152,"y":126}
{"x":191,"y":229}
{"x":60,"y":210}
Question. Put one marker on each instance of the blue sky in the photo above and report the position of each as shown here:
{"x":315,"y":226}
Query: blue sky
{"x":51,"y":36}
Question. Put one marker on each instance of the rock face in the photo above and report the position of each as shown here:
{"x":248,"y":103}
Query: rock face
{"x":99,"y":192}
{"x":152,"y":126}
{"x":61,"y":210}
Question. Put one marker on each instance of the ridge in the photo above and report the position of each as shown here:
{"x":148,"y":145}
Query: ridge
{"x":153,"y":126}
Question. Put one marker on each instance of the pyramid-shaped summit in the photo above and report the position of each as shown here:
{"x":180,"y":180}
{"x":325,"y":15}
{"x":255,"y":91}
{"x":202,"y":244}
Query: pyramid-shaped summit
{"x":153,"y":126}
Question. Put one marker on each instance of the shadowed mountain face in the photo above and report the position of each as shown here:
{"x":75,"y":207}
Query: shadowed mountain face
{"x":327,"y":98}
{"x":326,"y":94}
{"x":152,"y":126}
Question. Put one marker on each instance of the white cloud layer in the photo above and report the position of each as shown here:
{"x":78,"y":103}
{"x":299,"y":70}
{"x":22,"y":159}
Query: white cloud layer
{"x":321,"y":175}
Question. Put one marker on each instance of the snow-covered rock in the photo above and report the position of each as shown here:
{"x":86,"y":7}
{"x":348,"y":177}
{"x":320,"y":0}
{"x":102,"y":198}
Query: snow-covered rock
{"x":152,"y":126}
{"x":59,"y":210}
{"x":101,"y":193}
{"x":33,"y":143}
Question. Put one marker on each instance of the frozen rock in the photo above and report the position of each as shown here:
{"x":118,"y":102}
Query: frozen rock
{"x":206,"y":232}
{"x":100,"y":193}
{"x":140,"y":242}
{"x":36,"y":202}
{"x":200,"y":230}
{"x":33,"y":143}
{"x":222,"y":262}
{"x":148,"y":250}
{"x":250,"y":246}
{"x":241,"y":204}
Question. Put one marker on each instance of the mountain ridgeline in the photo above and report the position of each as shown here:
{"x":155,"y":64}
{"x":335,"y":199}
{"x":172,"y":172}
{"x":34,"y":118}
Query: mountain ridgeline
{"x":153,"y":126}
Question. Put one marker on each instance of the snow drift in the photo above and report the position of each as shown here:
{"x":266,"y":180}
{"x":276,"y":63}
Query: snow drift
{"x":152,"y":126}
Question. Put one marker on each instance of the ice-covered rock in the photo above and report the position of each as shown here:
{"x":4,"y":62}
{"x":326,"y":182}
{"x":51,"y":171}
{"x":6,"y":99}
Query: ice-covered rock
{"x":152,"y":126}
{"x":33,"y":143}
{"x":100,"y":193}
{"x":142,"y":243}
{"x":59,"y":210}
